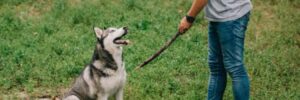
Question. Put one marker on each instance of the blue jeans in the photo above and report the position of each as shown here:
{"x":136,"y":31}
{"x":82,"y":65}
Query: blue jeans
{"x":225,"y":55}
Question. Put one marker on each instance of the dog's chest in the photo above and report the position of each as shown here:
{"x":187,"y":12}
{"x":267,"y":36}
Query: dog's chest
{"x":115,"y":82}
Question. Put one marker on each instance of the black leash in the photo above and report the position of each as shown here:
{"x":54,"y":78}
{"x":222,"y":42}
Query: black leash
{"x":160,"y":51}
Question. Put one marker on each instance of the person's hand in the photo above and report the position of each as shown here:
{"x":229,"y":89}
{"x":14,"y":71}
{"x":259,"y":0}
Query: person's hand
{"x":184,"y":25}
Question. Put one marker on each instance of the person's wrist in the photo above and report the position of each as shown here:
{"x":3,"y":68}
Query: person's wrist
{"x":190,"y":19}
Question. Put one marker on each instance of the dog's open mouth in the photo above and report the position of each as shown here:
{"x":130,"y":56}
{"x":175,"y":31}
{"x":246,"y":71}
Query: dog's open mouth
{"x":121,"y":41}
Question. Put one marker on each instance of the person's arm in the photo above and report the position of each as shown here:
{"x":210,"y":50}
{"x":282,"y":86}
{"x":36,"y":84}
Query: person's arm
{"x":196,"y":7}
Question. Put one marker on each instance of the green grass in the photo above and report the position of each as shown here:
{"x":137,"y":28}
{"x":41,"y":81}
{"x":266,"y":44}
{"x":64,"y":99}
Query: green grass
{"x":46,"y":43}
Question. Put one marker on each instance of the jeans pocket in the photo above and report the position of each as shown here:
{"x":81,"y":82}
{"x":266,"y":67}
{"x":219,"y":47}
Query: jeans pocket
{"x":240,"y":26}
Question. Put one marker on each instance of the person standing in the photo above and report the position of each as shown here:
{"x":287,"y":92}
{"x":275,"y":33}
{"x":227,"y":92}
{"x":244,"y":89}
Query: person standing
{"x":228,"y":21}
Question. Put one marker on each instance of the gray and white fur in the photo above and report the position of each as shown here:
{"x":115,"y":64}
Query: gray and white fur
{"x":105,"y":75}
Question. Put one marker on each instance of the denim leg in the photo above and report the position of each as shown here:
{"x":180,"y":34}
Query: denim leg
{"x":231,"y":35}
{"x":217,"y":79}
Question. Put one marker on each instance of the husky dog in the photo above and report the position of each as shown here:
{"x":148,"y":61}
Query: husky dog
{"x":105,"y":75}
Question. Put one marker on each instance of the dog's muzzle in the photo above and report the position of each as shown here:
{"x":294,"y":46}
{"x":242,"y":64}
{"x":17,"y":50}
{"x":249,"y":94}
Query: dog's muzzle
{"x":121,"y":41}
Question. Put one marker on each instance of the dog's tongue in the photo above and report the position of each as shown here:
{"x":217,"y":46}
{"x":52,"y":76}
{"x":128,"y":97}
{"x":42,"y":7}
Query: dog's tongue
{"x":124,"y":42}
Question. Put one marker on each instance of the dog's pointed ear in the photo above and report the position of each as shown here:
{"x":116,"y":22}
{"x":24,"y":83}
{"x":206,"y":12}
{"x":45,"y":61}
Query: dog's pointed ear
{"x":98,"y":32}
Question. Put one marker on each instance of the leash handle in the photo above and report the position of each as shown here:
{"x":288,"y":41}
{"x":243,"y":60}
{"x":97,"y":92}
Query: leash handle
{"x":160,"y":51}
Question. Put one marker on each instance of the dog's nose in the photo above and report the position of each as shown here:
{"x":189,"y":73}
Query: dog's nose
{"x":125,"y":28}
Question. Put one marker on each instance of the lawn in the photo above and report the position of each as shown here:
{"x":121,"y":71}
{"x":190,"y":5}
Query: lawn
{"x":46,"y":43}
